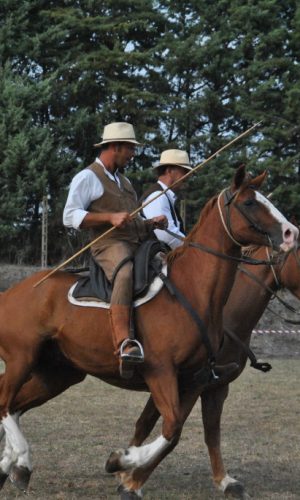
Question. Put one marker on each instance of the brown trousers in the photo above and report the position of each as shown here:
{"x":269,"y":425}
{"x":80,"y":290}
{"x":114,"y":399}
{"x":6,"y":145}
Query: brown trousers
{"x":108,"y":256}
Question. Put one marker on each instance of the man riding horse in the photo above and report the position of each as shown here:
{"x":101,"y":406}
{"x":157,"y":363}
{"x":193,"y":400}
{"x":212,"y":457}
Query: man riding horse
{"x":173,"y":165}
{"x":100,"y":196}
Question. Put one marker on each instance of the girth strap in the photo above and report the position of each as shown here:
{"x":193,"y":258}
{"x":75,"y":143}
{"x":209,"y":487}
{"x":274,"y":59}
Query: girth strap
{"x":173,"y":290}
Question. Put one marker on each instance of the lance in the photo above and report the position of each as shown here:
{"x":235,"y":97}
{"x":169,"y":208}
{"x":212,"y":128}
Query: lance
{"x":190,"y":172}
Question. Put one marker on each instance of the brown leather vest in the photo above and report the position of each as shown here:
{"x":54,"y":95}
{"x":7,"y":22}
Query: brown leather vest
{"x":117,"y":199}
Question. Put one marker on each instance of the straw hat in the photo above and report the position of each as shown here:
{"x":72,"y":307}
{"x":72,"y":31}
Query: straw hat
{"x":118,"y":132}
{"x":174,"y":157}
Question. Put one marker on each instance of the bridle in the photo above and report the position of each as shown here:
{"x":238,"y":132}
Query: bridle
{"x":278,"y":283}
{"x":229,"y":201}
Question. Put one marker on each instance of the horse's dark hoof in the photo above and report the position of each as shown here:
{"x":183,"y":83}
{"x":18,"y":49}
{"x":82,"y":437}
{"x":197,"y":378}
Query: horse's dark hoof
{"x":3,"y":478}
{"x":113,"y":463}
{"x":20,"y":476}
{"x":127,"y":495}
{"x":235,"y":490}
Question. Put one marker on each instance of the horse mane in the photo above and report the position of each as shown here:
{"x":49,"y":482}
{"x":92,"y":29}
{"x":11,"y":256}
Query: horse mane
{"x":177,"y":252}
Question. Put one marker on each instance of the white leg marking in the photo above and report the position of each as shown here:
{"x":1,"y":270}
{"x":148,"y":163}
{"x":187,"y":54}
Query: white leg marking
{"x":225,"y":482}
{"x":137,"y":456}
{"x":8,"y":457}
{"x":2,"y":432}
{"x":17,"y":441}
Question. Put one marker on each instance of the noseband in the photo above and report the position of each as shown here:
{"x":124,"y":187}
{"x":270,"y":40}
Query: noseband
{"x":228,"y":202}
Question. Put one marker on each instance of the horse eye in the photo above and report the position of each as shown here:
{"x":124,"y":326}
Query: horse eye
{"x":249,"y":203}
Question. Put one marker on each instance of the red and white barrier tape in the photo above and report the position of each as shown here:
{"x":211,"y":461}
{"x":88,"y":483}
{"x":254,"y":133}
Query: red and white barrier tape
{"x":275,"y":331}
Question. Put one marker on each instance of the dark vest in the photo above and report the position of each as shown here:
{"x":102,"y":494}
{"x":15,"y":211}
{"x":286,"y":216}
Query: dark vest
{"x":117,"y":199}
{"x":173,"y":209}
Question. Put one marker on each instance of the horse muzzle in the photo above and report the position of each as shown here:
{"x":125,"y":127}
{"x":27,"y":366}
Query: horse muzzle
{"x":290,"y":235}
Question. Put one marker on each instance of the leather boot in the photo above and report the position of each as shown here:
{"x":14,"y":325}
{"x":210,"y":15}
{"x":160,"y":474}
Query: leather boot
{"x":129,"y":350}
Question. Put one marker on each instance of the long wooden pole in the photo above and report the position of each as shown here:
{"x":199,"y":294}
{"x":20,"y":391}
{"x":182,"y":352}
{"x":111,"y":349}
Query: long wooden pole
{"x":190,"y":172}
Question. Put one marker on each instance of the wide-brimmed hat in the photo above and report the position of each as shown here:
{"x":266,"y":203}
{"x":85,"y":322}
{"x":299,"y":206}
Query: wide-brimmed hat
{"x":118,"y":132}
{"x":174,"y":157}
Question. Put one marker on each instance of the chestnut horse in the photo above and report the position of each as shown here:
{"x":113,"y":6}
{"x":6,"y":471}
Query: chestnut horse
{"x":251,"y":292}
{"x":32,"y":318}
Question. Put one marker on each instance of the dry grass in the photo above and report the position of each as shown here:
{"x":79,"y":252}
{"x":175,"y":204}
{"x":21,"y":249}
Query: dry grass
{"x":72,"y":436}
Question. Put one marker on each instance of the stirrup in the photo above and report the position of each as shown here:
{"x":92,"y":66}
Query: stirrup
{"x":135,"y":357}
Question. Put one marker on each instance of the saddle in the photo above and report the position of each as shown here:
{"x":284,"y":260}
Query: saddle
{"x":96,"y":285}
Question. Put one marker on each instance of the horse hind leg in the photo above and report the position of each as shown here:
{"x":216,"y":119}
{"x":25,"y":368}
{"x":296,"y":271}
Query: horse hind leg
{"x":15,"y":462}
{"x":7,"y":459}
{"x":17,"y":370}
{"x":41,"y":387}
{"x":212,"y":402}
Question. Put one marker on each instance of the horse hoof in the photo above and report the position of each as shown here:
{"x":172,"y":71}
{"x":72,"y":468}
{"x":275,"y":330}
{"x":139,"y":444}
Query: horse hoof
{"x":20,"y":476}
{"x":113,"y":463}
{"x":235,"y":490}
{"x":126,"y":494}
{"x":3,"y":477}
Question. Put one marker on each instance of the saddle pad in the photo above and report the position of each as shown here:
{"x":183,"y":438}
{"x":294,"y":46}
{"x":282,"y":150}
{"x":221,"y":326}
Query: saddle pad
{"x":153,"y":290}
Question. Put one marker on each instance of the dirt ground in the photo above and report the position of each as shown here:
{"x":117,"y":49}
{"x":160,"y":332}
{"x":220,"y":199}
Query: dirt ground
{"x":72,"y":436}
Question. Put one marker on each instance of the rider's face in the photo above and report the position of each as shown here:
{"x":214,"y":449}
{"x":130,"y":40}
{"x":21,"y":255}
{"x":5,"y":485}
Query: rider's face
{"x":177,"y":173}
{"x":124,"y":152}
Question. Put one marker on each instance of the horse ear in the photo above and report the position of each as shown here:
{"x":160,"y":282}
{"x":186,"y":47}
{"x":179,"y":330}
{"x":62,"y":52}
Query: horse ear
{"x":257,"y":181}
{"x":239,"y":177}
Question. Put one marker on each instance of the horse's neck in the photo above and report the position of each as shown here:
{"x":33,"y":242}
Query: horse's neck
{"x":248,"y":299}
{"x":289,"y":273}
{"x":203,"y":276}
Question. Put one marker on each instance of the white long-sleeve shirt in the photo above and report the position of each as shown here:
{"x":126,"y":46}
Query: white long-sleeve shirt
{"x":161,"y":206}
{"x":85,"y":188}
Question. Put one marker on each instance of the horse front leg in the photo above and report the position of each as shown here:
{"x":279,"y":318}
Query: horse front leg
{"x":164,"y":390}
{"x":212,"y":401}
{"x":138,"y":476}
{"x":143,"y":428}
{"x":145,"y":423}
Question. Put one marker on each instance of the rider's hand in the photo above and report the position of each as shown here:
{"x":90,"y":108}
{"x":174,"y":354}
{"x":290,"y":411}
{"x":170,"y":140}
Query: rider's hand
{"x":120,"y":219}
{"x":159,"y":222}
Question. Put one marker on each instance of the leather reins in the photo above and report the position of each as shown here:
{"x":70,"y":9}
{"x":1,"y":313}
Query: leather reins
{"x":278,"y":287}
{"x":173,"y":290}
{"x":229,"y":200}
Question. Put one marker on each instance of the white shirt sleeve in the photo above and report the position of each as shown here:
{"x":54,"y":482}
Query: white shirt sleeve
{"x":161,"y":206}
{"x":85,"y":188}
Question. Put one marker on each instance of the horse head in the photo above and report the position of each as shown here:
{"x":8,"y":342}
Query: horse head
{"x":287,"y":272}
{"x":245,"y":208}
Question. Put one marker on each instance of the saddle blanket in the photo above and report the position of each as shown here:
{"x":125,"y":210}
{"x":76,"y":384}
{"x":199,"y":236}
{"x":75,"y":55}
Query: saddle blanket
{"x":153,"y":290}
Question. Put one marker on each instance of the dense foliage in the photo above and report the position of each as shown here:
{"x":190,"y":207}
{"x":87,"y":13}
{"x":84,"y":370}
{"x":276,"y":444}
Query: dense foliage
{"x":187,"y":74}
